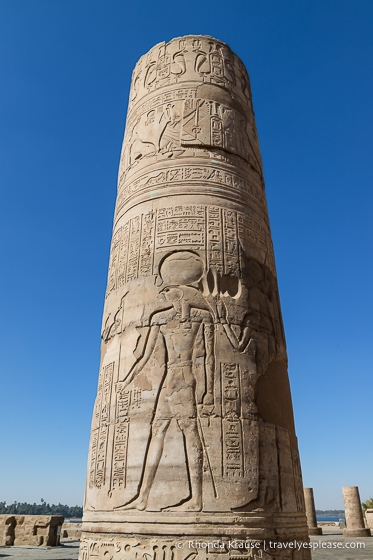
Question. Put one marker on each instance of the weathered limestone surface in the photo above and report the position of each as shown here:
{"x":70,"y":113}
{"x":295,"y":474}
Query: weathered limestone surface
{"x":31,"y":530}
{"x":313,"y":529}
{"x":71,"y":530}
{"x":369,"y":518}
{"x":354,"y":515}
{"x":192,"y":434}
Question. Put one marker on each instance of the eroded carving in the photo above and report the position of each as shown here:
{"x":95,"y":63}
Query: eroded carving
{"x":100,"y":428}
{"x":191,"y":421}
{"x":129,"y":548}
{"x":30,"y":530}
{"x":213,"y":230}
{"x":177,"y":329}
{"x":190,"y":59}
{"x":172,"y":127}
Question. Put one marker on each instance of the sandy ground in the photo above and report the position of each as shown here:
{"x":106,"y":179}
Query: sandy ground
{"x":68,"y":551}
{"x":332,"y":536}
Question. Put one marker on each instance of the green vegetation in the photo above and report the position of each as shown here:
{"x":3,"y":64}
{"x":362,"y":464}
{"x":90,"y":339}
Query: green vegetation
{"x":18,"y":508}
{"x":367,"y":505}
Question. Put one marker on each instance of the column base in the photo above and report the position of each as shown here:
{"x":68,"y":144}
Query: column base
{"x":180,"y":547}
{"x":356,"y":533}
{"x":315,"y":531}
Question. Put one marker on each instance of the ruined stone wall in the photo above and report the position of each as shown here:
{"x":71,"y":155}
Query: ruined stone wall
{"x":30,"y":530}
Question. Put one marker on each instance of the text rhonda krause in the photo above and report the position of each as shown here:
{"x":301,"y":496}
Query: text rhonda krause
{"x":211,"y":545}
{"x":221,"y":545}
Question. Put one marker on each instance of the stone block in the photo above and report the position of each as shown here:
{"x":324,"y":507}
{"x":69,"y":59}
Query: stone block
{"x":369,"y":518}
{"x":71,"y":530}
{"x":30,"y":530}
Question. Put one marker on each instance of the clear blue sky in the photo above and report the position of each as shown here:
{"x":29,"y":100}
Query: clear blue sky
{"x":65,"y":73}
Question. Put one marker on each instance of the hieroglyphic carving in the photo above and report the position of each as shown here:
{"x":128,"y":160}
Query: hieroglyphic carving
{"x":92,"y":467}
{"x":177,"y":330}
{"x":121,"y":435}
{"x":192,"y":175}
{"x":84,"y":550}
{"x":174,"y":126}
{"x":122,"y":259}
{"x":238,"y":420}
{"x":158,"y":72}
{"x":215,"y":239}
{"x":230,"y":253}
{"x":160,"y":100}
{"x":253,"y":231}
{"x":126,"y":547}
{"x":214,"y":63}
{"x":165,"y":65}
{"x":100,"y":431}
{"x":298,"y":484}
{"x":192,"y":323}
{"x":134,"y":248}
{"x":147,"y":245}
{"x":231,"y":426}
{"x":114,"y":253}
{"x":132,"y":251}
{"x":206,"y":228}
{"x":137,"y":397}
{"x":181,"y":225}
{"x":212,"y":124}
{"x":190,"y":59}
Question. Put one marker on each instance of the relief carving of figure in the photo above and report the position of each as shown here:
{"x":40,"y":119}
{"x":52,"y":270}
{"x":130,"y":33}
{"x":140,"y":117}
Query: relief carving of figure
{"x":139,"y":147}
{"x":170,"y":136}
{"x":177,"y":327}
{"x":113,"y":323}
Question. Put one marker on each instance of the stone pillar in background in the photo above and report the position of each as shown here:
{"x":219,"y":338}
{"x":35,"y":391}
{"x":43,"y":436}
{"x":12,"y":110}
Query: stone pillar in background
{"x":369,"y":518}
{"x":313,"y":529}
{"x":192,"y":435}
{"x":354,"y":514}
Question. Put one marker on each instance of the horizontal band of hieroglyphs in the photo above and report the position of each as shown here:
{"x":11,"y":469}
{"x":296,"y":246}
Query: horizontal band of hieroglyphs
{"x":188,"y":175}
{"x":190,"y":59}
{"x":213,"y":230}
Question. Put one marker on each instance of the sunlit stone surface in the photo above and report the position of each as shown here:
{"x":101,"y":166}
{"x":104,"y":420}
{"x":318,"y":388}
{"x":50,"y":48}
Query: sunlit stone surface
{"x":192,"y":436}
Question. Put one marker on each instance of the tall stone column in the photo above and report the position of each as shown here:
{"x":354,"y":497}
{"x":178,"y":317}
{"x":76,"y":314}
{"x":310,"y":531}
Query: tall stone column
{"x":192,"y":436}
{"x":354,"y":514}
{"x":309,"y":501}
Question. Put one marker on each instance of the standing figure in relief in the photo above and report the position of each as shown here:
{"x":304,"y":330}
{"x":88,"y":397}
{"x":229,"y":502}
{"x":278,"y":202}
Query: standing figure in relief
{"x":177,"y":328}
{"x":170,"y":135}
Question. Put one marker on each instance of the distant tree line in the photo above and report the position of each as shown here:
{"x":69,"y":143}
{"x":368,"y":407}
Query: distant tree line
{"x":368,"y":504}
{"x":18,"y":508}
{"x":330,"y":512}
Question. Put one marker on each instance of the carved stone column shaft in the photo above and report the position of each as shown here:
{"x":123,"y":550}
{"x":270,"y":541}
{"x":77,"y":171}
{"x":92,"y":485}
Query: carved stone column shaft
{"x":192,"y":434}
{"x":313,"y":529}
{"x":354,"y":514}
